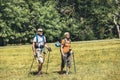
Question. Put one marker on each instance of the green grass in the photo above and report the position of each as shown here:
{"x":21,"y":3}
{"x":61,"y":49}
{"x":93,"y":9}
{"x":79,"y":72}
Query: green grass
{"x":95,"y":60}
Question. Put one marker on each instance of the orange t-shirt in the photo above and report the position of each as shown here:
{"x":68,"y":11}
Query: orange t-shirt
{"x":66,"y":45}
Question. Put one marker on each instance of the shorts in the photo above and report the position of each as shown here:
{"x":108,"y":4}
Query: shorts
{"x":66,"y":60}
{"x":40,"y":55}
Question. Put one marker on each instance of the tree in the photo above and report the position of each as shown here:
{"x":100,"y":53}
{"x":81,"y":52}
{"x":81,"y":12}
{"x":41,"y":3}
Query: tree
{"x":84,"y":19}
{"x":116,"y":18}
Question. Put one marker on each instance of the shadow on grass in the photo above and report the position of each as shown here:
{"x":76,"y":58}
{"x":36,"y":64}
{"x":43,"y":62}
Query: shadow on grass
{"x":59,"y":72}
{"x":33,"y":73}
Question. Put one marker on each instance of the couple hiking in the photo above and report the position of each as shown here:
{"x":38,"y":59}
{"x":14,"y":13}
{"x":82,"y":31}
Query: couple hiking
{"x":39,"y":45}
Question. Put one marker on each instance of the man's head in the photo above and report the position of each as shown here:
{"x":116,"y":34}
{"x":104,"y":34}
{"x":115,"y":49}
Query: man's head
{"x":40,"y":31}
{"x":67,"y":35}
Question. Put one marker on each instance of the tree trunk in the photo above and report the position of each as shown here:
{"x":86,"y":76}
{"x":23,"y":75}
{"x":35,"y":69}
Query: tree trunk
{"x":117,"y":26}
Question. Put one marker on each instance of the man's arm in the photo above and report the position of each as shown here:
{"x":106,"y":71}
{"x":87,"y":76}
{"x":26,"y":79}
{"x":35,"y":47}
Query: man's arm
{"x":46,"y":45}
{"x":49,"y":49}
{"x":33,"y":48}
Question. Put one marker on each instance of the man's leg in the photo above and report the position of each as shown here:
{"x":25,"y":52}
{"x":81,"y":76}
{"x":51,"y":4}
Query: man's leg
{"x":40,"y":61}
{"x":40,"y":68}
{"x":40,"y":65}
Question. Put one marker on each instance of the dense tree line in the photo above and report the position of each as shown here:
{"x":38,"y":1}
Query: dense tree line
{"x":84,"y":19}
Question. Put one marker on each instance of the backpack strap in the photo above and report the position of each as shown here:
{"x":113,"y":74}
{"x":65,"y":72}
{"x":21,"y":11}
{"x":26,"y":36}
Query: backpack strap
{"x":36,"y":37}
{"x":43,"y":38}
{"x":65,"y":42}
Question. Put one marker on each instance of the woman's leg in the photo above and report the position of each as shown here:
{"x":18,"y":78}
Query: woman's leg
{"x":68,"y":62}
{"x":62,"y":63}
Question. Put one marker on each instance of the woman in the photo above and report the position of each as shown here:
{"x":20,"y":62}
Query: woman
{"x":66,"y":52}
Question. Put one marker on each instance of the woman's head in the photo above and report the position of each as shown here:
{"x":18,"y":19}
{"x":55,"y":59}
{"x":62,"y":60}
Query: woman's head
{"x":67,"y":35}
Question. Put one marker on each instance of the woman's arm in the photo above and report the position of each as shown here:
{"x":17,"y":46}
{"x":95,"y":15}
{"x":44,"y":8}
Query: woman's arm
{"x":61,"y":48}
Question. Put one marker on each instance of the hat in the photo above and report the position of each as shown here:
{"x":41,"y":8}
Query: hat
{"x":40,"y":29}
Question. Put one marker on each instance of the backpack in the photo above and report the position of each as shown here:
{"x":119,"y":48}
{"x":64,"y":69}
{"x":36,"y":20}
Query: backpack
{"x":58,"y":44}
{"x":36,"y":45}
{"x":37,"y":37}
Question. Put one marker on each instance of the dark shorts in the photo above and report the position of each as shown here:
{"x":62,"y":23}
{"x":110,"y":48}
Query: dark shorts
{"x":66,"y":60}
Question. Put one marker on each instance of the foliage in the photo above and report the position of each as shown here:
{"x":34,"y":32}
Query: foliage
{"x":84,"y":19}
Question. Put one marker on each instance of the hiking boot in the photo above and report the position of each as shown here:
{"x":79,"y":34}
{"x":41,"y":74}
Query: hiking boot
{"x":67,"y":73}
{"x":40,"y":74}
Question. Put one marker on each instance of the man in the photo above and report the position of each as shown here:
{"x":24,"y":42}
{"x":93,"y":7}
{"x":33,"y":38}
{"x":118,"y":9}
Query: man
{"x":38,"y":47}
{"x":66,"y":52}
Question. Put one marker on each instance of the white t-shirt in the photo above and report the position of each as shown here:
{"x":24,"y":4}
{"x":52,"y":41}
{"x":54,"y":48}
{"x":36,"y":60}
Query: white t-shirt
{"x":40,"y":40}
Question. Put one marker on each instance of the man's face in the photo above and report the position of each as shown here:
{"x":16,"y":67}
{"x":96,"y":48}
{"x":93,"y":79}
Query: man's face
{"x":40,"y":32}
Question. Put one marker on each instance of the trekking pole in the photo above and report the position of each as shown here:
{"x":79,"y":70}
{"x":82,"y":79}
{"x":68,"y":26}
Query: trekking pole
{"x":47,"y":62}
{"x":31,"y":66}
{"x":74,"y":63}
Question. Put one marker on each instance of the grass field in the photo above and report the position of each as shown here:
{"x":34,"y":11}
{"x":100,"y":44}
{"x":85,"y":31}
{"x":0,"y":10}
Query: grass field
{"x":95,"y":60}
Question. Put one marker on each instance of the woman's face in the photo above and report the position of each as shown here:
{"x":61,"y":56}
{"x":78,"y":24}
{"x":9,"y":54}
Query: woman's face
{"x":67,"y":36}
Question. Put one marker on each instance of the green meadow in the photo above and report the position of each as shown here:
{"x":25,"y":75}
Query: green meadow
{"x":95,"y":60}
